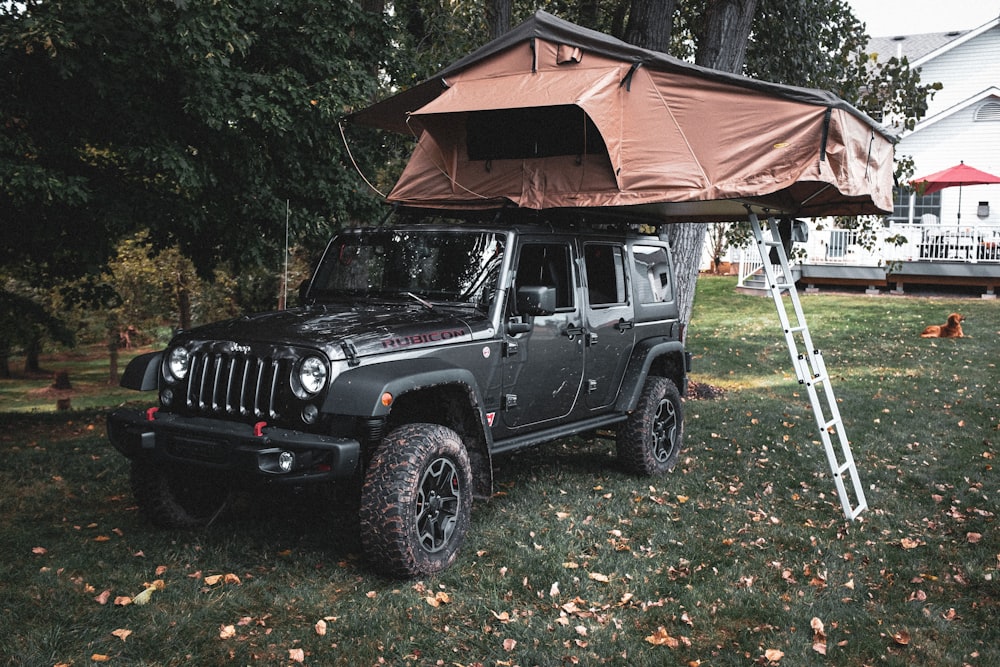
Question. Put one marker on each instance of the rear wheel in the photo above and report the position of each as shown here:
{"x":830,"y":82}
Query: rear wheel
{"x":416,"y":502}
{"x":650,"y":442}
{"x":177,"y":496}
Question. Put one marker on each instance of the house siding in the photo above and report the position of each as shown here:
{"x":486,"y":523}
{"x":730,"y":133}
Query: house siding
{"x":946,"y":143}
{"x":964,"y":71}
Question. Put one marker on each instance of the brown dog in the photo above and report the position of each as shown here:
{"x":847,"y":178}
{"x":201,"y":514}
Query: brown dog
{"x":951,"y":330}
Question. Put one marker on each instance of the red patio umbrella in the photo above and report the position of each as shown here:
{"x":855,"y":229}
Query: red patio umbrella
{"x":959,"y":175}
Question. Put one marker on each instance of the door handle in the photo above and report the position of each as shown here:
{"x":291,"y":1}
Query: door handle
{"x":572,"y":331}
{"x":624,"y":325}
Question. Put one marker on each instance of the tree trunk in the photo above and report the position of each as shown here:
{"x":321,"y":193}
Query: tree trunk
{"x":184,"y":307}
{"x":650,"y":23}
{"x":722,"y":45}
{"x":498,"y":17}
{"x":31,"y":354}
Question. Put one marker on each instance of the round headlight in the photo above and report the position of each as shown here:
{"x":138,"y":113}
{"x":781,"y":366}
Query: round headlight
{"x":312,"y":375}
{"x":178,"y":362}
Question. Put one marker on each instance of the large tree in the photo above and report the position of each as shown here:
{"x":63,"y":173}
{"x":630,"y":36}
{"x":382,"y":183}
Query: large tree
{"x":196,"y":120}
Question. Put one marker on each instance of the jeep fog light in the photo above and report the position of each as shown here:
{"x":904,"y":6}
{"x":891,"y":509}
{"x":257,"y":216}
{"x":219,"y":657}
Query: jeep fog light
{"x":167,"y":397}
{"x":286,"y":461}
{"x":312,"y":375}
{"x":178,"y":362}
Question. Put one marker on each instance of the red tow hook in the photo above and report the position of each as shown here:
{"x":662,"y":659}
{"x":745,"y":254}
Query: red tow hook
{"x":258,"y":429}
{"x":151,"y":414}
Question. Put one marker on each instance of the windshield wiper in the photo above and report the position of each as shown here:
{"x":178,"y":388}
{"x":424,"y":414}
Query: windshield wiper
{"x":423,"y":302}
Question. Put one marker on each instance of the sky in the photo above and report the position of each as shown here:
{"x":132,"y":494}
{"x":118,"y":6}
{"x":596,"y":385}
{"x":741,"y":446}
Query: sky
{"x":888,"y":18}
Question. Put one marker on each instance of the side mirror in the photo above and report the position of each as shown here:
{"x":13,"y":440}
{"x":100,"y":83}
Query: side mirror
{"x":303,"y":291}
{"x":536,"y":300}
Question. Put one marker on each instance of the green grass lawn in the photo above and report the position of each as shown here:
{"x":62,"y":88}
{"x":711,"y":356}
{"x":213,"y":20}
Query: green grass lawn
{"x":727,"y":561}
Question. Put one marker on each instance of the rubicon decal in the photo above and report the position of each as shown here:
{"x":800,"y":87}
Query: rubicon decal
{"x":422,"y":339}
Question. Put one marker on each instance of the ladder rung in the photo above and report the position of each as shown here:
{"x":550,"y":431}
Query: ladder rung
{"x":830,"y":424}
{"x":796,"y":329}
{"x":782,"y":286}
{"x":844,"y":468}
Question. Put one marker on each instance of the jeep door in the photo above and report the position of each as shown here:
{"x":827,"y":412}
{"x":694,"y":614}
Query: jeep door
{"x":543,"y":353}
{"x":610,"y":321}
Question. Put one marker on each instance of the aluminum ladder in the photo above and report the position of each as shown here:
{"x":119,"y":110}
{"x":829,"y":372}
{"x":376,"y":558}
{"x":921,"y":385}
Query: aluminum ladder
{"x":810,"y":368}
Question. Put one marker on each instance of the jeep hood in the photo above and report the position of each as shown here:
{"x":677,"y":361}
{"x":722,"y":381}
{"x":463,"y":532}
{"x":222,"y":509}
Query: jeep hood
{"x":357,"y":331}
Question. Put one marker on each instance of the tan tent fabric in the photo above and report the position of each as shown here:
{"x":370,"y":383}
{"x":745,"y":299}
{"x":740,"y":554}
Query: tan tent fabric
{"x":685,"y":142}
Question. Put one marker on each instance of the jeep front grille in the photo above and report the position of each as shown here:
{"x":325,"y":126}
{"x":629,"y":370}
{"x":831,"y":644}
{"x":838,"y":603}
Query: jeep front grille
{"x":238,"y":385}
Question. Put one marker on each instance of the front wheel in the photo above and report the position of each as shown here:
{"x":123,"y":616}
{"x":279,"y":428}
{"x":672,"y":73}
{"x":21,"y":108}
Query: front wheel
{"x":416,"y":503}
{"x":650,"y":442}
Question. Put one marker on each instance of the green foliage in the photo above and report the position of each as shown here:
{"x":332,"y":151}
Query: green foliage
{"x":195,"y":120}
{"x":25,"y":321}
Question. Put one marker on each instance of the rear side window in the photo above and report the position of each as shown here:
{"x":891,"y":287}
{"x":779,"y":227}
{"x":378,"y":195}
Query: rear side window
{"x":652,"y":274}
{"x":605,"y":273}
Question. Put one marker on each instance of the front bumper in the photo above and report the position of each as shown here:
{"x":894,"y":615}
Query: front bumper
{"x":230,"y":446}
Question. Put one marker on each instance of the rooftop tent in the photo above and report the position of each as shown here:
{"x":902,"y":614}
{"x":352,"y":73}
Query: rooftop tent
{"x":554,"y":115}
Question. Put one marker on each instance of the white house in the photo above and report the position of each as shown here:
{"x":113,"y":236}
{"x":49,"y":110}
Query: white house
{"x":945,"y":243}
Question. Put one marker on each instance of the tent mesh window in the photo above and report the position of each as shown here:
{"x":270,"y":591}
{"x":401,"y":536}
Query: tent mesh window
{"x":517,"y":134}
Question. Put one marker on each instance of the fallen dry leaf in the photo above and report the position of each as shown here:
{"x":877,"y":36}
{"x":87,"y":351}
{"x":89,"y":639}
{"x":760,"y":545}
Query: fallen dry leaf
{"x":213,"y":579}
{"x":99,"y":657}
{"x":819,"y":636}
{"x":103,"y":597}
{"x":509,"y":644}
{"x":902,"y":638}
{"x":144,"y":597}
{"x":774,"y":655}
{"x":597,"y":576}
{"x":227,"y":632}
{"x":662,"y":638}
{"x":123,"y":601}
{"x":39,"y":551}
{"x":296,"y":655}
{"x":121,"y":633}
{"x":908,"y":543}
{"x":320,"y":627}
{"x":438,"y":599}
{"x":973,"y":538}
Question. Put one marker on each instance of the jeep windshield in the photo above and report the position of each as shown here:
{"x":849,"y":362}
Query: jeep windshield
{"x":424,"y":266}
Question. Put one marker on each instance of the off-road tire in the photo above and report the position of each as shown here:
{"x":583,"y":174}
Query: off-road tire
{"x":650,"y":441}
{"x":176,"y":496}
{"x":416,"y":501}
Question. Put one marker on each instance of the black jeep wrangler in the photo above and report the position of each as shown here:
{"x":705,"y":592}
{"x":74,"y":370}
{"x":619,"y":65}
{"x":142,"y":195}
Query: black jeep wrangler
{"x":422,"y":347}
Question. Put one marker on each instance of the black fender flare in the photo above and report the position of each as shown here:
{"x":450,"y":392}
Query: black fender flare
{"x":143,"y":372}
{"x":358,"y":392}
{"x":643,"y":356}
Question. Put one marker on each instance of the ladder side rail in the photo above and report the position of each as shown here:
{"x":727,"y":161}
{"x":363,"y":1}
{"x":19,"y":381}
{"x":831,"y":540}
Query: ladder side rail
{"x":810,"y":368}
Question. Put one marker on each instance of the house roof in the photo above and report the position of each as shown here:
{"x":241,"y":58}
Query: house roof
{"x":918,"y":49}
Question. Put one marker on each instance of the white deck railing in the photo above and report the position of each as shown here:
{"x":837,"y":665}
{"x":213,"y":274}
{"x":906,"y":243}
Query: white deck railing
{"x":907,"y":243}
{"x":970,"y":244}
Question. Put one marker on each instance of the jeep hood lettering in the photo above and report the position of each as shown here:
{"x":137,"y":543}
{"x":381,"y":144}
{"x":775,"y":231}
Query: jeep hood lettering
{"x":368,"y":331}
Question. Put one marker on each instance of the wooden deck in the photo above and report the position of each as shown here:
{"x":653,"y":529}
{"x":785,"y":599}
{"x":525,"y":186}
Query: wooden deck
{"x":900,"y":274}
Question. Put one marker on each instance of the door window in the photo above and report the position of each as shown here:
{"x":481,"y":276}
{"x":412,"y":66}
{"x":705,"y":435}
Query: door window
{"x":605,"y":274}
